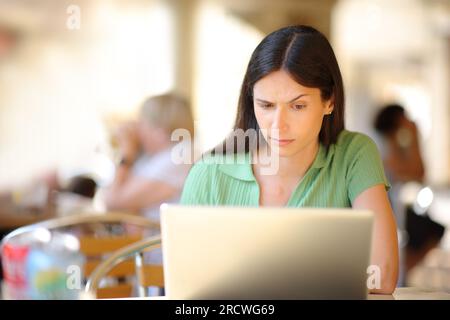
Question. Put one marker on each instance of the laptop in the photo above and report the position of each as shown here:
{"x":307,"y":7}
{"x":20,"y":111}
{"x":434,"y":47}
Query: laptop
{"x":265,"y":252}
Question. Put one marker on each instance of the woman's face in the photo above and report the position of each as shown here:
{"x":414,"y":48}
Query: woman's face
{"x":290,"y":114}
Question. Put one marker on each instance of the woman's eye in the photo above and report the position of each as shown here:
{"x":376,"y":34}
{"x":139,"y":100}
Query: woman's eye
{"x":299,"y":106}
{"x":266,"y":105}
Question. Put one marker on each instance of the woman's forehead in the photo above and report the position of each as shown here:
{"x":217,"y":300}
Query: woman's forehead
{"x":280,"y":85}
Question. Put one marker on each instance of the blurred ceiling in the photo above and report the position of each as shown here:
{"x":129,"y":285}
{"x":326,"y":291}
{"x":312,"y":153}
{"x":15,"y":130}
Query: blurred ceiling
{"x":40,"y":17}
{"x":48,"y":17}
{"x":269,"y":15}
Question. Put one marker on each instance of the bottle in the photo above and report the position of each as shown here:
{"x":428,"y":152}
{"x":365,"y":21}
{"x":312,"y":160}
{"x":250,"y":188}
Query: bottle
{"x":14,"y":256}
{"x":54,"y":267}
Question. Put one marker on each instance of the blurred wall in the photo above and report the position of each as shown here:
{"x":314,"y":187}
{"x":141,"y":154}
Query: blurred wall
{"x":60,"y":87}
{"x":61,"y":90}
{"x":398,"y":51}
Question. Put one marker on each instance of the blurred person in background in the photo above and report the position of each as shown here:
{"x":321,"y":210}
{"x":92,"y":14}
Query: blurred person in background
{"x":402,"y":156}
{"x":146,"y":175}
{"x":403,"y":163}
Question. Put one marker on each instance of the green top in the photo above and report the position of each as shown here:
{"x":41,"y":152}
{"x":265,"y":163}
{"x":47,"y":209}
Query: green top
{"x":334,"y":179}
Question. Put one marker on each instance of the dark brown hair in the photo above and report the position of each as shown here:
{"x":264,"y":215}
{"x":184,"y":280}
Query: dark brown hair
{"x":387,"y":121}
{"x":308,"y":57}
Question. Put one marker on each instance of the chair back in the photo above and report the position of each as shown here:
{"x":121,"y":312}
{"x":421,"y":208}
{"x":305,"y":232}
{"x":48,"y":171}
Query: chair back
{"x":100,"y":235}
{"x":148,"y":275}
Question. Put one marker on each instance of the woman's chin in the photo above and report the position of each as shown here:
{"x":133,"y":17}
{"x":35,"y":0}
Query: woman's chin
{"x":282,"y":151}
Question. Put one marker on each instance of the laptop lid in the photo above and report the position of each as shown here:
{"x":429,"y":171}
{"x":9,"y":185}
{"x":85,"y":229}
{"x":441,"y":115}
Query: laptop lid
{"x":265,"y":253}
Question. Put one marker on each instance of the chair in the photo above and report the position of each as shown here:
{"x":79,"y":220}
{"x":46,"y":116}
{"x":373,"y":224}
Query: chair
{"x":147,"y":275}
{"x":100,"y":235}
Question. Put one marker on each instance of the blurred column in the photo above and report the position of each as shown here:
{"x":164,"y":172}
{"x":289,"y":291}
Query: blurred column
{"x":437,"y":150}
{"x":184,"y":12}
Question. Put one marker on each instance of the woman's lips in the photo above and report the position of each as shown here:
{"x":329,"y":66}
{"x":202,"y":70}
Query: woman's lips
{"x":282,"y":142}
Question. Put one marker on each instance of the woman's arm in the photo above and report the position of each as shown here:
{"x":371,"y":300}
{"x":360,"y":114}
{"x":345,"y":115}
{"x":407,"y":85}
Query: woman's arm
{"x":384,"y":237}
{"x":132,"y":193}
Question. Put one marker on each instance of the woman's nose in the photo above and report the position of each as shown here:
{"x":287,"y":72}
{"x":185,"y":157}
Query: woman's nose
{"x":280,"y":119}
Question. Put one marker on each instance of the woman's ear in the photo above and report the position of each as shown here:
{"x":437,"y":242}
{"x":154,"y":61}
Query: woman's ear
{"x":329,"y":107}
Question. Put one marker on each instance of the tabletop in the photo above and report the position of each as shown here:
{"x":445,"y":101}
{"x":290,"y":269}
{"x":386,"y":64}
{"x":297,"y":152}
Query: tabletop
{"x":13,"y":216}
{"x":412,"y":293}
{"x":402,"y":293}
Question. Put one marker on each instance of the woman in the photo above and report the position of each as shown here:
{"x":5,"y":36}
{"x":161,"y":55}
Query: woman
{"x":146,"y":174}
{"x":292,"y":95}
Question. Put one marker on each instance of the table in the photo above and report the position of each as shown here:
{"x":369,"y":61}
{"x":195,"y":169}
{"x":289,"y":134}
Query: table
{"x":12,"y":216}
{"x":403,"y":293}
{"x":412,"y":293}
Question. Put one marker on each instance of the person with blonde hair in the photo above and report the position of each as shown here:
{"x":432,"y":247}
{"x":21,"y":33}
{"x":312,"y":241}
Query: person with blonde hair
{"x":146,"y":174}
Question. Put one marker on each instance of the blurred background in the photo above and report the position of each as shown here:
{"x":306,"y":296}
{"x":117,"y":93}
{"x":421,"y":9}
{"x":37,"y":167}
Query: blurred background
{"x":70,"y":71}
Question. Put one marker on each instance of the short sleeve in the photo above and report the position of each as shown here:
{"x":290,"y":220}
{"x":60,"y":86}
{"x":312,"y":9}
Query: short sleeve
{"x":196,"y":190}
{"x":162,"y":168}
{"x":365,"y":167}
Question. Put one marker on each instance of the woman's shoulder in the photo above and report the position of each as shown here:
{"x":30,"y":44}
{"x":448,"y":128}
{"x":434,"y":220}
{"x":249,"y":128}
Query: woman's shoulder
{"x":353,"y":140}
{"x":216,"y":165}
{"x":359,"y":156}
{"x":207,"y":163}
{"x":209,"y":177}
{"x":351,"y":144}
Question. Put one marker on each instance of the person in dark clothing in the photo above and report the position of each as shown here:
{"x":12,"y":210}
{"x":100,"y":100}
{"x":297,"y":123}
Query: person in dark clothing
{"x":403,"y":163}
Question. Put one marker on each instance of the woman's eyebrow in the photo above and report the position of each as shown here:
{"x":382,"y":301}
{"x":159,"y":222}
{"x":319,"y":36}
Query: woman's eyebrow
{"x":296,"y":98}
